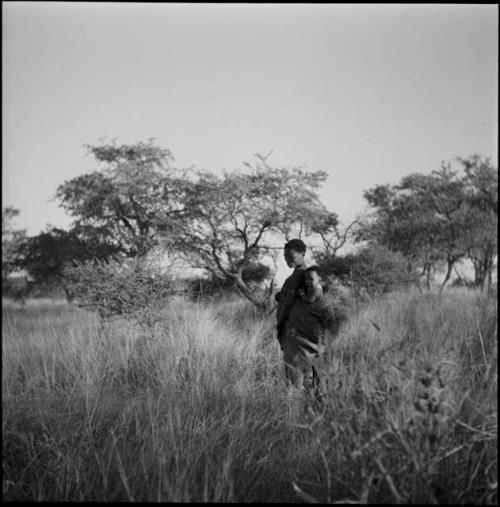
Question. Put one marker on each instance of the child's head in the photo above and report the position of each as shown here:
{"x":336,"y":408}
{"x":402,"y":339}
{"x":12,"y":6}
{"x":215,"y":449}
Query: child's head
{"x":295,"y":250}
{"x":312,"y":279}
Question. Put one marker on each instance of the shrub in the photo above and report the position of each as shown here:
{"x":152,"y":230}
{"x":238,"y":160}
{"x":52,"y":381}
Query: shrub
{"x":208,"y":286}
{"x":131,"y":290}
{"x":254,"y":274}
{"x":372,"y":270}
{"x":339,"y":298}
{"x":462,"y":282}
{"x":17,"y":288}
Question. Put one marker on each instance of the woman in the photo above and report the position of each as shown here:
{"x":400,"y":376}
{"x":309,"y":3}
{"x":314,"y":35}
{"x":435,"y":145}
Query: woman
{"x":299,"y":353}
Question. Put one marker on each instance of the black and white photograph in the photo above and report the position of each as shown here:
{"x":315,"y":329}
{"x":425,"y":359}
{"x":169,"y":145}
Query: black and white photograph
{"x":250,"y":252}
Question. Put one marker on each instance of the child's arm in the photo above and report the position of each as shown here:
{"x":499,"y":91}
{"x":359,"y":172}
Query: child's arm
{"x":312,"y":295}
{"x":307,"y":298}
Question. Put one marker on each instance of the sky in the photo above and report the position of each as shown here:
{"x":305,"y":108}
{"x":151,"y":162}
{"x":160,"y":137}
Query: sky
{"x":366,"y":92}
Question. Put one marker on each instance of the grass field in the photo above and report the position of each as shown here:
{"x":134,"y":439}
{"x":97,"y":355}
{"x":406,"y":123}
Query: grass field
{"x":198,"y":411}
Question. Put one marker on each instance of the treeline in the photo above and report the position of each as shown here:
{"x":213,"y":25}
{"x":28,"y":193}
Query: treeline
{"x":137,"y":203}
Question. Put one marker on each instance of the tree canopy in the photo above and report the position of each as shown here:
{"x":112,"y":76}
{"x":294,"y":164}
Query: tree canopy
{"x":230,"y":221}
{"x":135,"y":200}
{"x":439,"y":218}
{"x":46,"y":255}
{"x":11,"y":240}
{"x":133,"y":186}
{"x":223,"y":223}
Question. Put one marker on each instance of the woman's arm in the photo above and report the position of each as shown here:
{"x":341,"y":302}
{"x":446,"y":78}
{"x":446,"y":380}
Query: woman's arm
{"x":288,"y":295}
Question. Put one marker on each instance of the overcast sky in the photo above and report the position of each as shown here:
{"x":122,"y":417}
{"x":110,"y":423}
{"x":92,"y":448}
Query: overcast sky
{"x":368,"y":93}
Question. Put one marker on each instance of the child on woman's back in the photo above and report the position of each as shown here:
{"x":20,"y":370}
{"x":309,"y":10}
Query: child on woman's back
{"x":313,"y":289}
{"x":313,"y":317}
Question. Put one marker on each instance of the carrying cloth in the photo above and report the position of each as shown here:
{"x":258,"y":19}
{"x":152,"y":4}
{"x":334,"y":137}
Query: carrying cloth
{"x":313,"y":320}
{"x":307,"y":330}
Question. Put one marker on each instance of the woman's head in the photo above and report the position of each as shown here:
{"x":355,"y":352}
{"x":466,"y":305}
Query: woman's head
{"x":295,"y":251}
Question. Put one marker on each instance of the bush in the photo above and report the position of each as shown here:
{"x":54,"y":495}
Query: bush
{"x":462,"y":282}
{"x":339,"y":298}
{"x":372,"y":270}
{"x":253,"y":275}
{"x":131,"y":290}
{"x":209,"y":286}
{"x":17,"y":288}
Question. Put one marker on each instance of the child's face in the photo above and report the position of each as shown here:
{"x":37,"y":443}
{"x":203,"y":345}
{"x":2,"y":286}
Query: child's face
{"x":293,"y":258}
{"x":312,"y":280}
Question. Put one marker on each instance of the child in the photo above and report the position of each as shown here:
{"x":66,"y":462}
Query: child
{"x":313,"y":290}
{"x":312,"y":316}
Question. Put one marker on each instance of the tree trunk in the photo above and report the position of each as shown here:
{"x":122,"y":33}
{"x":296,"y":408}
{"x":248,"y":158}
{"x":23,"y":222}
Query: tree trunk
{"x":427,"y":271}
{"x":69,"y":295}
{"x":480,"y":272}
{"x":490,"y":280}
{"x":447,"y":277}
{"x":245,"y":291}
{"x":451,"y":263}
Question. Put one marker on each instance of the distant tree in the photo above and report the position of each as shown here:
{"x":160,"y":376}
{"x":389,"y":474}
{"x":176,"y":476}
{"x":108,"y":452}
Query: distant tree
{"x":133,"y":187}
{"x":371,"y":270}
{"x":231,"y":221}
{"x":481,"y":219}
{"x":440,"y":198}
{"x":334,"y":236}
{"x":437,"y":219}
{"x":402,"y":225}
{"x":253,"y":276}
{"x":129,"y":289}
{"x":45,"y":255}
{"x":19,"y":288}
{"x":11,"y":239}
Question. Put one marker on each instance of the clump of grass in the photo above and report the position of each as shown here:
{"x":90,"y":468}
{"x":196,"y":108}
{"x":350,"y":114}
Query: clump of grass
{"x":133,"y":424}
{"x":197,"y":409}
{"x":396,"y":398}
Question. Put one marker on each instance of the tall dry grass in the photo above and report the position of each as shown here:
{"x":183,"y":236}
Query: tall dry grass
{"x":198,"y":411}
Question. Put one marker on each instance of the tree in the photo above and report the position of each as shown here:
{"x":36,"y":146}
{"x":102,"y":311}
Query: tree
{"x":481,"y":221}
{"x":254,"y":275}
{"x":333,"y":235}
{"x":133,"y":187}
{"x":130,"y":289}
{"x":221,"y":223}
{"x":373,"y":269}
{"x":440,"y":199}
{"x":46,"y":255}
{"x":437,"y":218}
{"x":231,"y":221}
{"x":399,"y":223}
{"x":11,"y":239}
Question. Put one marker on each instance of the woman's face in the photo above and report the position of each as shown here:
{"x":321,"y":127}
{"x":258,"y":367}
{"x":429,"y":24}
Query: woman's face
{"x":293,"y":258}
